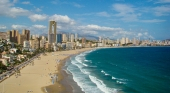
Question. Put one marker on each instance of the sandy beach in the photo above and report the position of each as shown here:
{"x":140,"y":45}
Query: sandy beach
{"x":45,"y":75}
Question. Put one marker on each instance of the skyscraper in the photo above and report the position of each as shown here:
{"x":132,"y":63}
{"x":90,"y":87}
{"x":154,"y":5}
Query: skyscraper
{"x":72,"y":38}
{"x":52,"y":32}
{"x":26,"y":33}
{"x":76,"y":37}
{"x":59,"y":38}
{"x":64,"y":38}
{"x":14,"y":36}
{"x":21,"y":38}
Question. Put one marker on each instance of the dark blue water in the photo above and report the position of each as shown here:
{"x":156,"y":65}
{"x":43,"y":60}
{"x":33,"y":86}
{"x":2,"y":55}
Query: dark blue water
{"x":123,"y":70}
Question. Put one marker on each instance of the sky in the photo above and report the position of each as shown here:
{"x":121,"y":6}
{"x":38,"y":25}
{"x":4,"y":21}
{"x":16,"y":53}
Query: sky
{"x":115,"y":19}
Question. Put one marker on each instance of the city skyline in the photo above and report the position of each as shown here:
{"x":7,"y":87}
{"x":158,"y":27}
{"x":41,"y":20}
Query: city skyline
{"x":113,"y":19}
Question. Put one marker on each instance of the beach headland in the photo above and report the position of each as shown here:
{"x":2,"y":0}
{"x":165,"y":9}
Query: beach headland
{"x":46,"y":75}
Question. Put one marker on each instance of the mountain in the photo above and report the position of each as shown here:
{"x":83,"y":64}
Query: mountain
{"x":87,"y":36}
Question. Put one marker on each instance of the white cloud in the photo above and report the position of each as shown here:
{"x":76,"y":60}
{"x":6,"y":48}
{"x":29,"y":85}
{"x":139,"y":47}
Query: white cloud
{"x":38,"y":10}
{"x":123,"y":8}
{"x":97,"y":28}
{"x":7,"y":9}
{"x":153,"y":21}
{"x":38,"y":17}
{"x":17,"y":11}
{"x":77,"y":5}
{"x":162,"y":10}
{"x":26,"y":3}
{"x":62,"y":19}
{"x":15,"y":1}
{"x":139,"y":34}
{"x":2,"y":27}
{"x":105,"y":14}
{"x":19,"y":27}
{"x":126,"y":12}
{"x":39,"y":26}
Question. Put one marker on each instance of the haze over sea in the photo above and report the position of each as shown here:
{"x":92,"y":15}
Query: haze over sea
{"x":122,"y":70}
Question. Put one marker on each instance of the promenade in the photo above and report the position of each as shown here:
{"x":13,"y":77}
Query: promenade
{"x":34,"y":78}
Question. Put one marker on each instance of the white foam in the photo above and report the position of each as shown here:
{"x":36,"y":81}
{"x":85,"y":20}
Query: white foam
{"x":102,"y":86}
{"x":85,"y":64}
{"x":105,"y":73}
{"x":119,"y":82}
{"x":86,"y":60}
{"x":85,"y":83}
{"x":113,"y":78}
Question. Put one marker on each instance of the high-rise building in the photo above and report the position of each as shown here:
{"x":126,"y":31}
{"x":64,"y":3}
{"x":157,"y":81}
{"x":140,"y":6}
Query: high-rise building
{"x":76,"y":37}
{"x":123,"y":41}
{"x":72,"y":38}
{"x":26,"y":44}
{"x":69,"y":37}
{"x":59,"y":38}
{"x":26,"y":33}
{"x":126,"y":40}
{"x":42,"y":42}
{"x":100,"y":39}
{"x":64,"y":38}
{"x":83,"y":42}
{"x":52,"y":32}
{"x":35,"y":44}
{"x":14,"y":36}
{"x":21,"y":38}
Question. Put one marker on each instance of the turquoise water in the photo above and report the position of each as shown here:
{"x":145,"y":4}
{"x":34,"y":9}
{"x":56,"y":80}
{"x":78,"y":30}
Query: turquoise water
{"x":122,"y":70}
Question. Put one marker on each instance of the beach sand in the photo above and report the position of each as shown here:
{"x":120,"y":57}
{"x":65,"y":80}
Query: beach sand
{"x":38,"y":77}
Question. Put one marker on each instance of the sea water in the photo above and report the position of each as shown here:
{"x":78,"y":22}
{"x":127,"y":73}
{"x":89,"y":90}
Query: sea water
{"x":122,"y":70}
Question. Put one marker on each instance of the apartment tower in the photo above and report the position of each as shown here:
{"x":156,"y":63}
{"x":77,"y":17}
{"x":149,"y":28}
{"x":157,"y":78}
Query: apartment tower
{"x":52,"y":32}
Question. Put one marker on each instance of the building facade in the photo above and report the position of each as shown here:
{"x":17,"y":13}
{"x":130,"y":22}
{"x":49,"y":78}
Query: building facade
{"x":59,"y":38}
{"x":52,"y":32}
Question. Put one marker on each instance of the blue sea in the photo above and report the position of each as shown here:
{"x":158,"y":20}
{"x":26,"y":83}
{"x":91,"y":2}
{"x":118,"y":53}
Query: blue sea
{"x":122,"y":70}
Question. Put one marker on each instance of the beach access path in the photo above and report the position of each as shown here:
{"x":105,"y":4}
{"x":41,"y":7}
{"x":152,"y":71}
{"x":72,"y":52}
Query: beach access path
{"x":36,"y":76}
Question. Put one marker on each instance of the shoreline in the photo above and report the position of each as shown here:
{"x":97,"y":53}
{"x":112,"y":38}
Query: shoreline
{"x":39,"y":77}
{"x":66,"y":82}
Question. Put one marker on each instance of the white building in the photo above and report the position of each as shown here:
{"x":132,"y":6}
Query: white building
{"x":26,"y":44}
{"x":13,"y":50}
{"x":126,"y":40}
{"x":123,"y":40}
{"x":42,"y":42}
{"x":100,"y":39}
{"x":72,"y":38}
{"x":76,"y":37}
{"x":64,"y":38}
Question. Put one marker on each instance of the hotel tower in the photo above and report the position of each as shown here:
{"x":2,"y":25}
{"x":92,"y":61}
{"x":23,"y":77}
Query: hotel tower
{"x":52,"y":32}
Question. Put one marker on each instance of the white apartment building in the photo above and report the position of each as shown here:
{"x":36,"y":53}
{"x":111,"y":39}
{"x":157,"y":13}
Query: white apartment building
{"x":26,"y":44}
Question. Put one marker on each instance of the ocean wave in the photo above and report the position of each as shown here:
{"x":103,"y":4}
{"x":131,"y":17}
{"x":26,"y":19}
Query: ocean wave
{"x":114,"y":78}
{"x":86,"y":60}
{"x":85,"y":65}
{"x":84,"y":83}
{"x":105,"y":73}
{"x":102,"y":86}
{"x":120,"y":82}
{"x":92,"y":66}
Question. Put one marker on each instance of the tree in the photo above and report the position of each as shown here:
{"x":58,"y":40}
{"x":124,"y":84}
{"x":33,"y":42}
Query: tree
{"x":2,"y":66}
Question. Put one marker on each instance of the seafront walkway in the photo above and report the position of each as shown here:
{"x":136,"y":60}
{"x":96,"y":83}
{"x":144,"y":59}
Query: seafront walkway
{"x":16,"y":69}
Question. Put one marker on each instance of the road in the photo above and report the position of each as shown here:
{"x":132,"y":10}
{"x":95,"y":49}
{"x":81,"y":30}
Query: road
{"x":18,"y":67}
